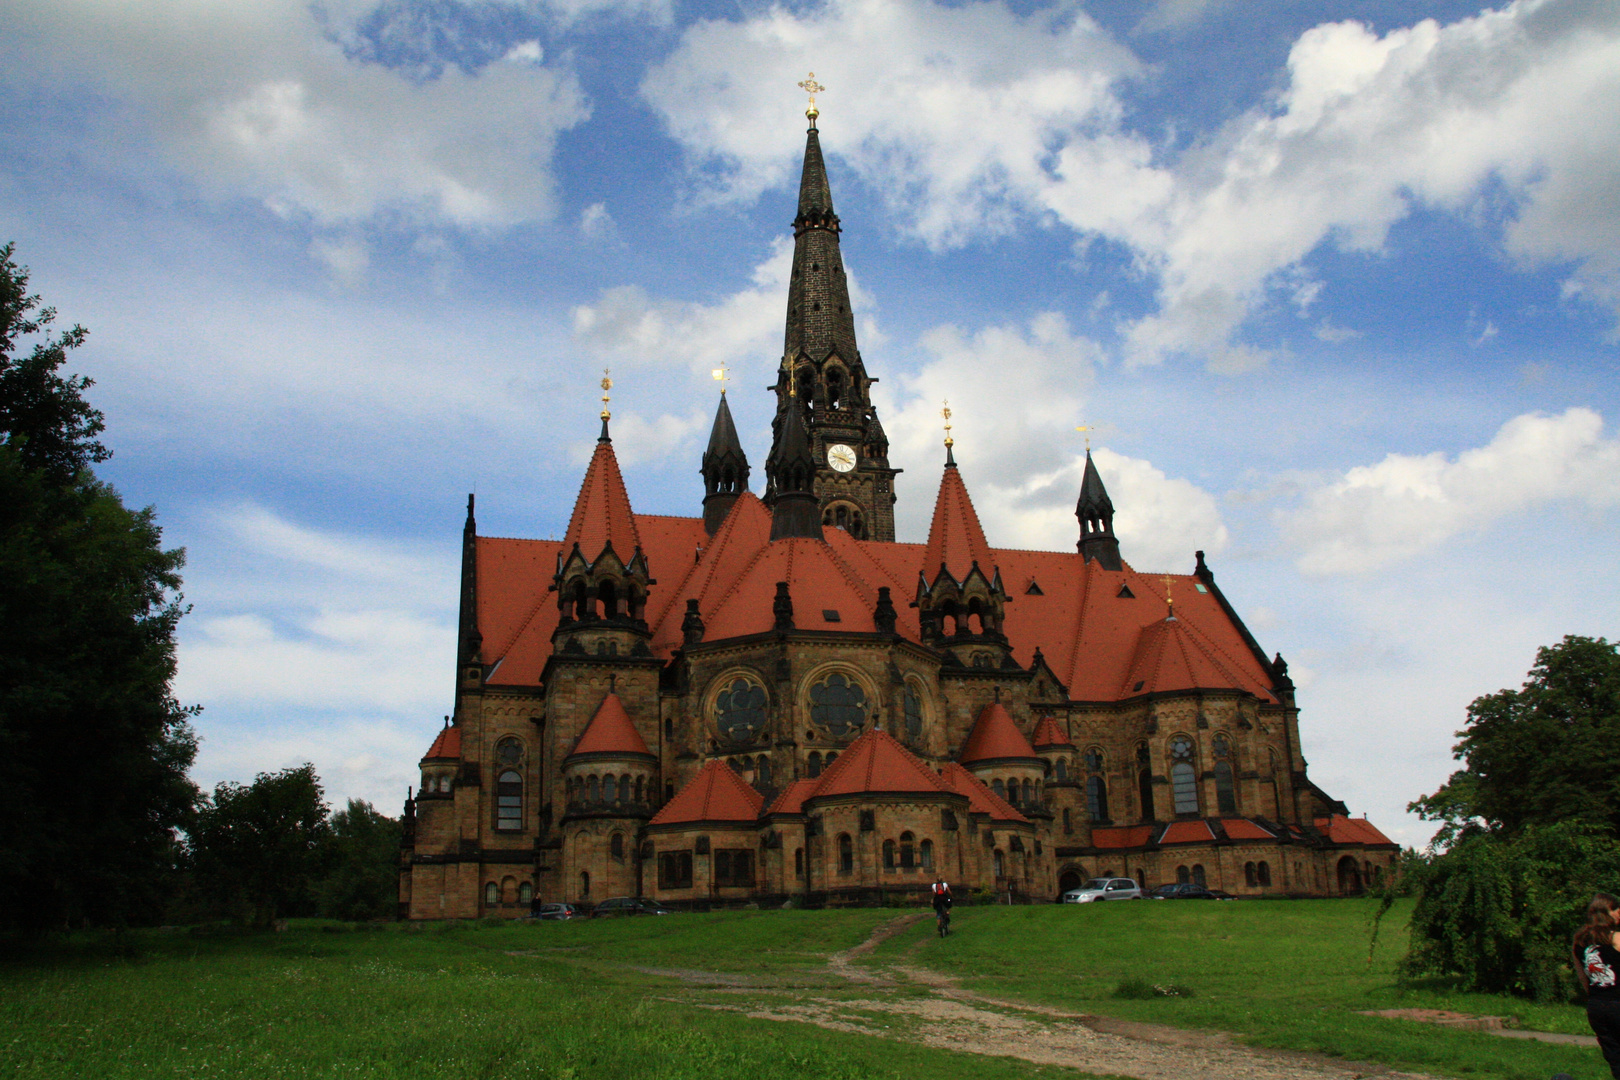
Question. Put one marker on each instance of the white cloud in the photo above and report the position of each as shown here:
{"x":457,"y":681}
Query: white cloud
{"x":254,"y":99}
{"x":1376,"y":515}
{"x":348,"y":259}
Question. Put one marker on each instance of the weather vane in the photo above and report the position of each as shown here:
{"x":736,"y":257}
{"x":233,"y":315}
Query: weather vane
{"x":946,"y":413}
{"x":607,"y":384}
{"x":811,"y":87}
{"x":1169,"y":600}
{"x":1088,"y":429}
{"x":722,"y":373}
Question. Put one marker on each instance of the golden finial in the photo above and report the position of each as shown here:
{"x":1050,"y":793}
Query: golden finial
{"x":722,"y":373}
{"x":1088,"y":429}
{"x":1169,"y":598}
{"x":607,"y":384}
{"x":946,"y":413}
{"x":811,"y":87}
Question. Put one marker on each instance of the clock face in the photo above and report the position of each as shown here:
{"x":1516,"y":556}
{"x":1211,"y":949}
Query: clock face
{"x":841,"y":457}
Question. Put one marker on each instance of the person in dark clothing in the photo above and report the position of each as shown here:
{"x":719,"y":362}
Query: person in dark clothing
{"x":1597,"y":966}
{"x":942,"y":906}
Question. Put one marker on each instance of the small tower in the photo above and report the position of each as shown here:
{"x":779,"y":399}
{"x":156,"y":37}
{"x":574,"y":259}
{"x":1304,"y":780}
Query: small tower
{"x":998,"y":754}
{"x":1096,"y":513}
{"x":960,"y":599}
{"x":791,"y":469}
{"x":612,"y":789}
{"x":725,"y":469}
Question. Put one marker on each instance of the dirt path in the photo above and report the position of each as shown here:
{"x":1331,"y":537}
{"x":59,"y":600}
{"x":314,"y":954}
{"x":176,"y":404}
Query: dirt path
{"x":952,"y":1018}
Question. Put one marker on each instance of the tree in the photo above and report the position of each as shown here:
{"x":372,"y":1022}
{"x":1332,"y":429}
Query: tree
{"x":95,"y":746}
{"x":1547,"y":752}
{"x":362,"y":865}
{"x":257,"y":848}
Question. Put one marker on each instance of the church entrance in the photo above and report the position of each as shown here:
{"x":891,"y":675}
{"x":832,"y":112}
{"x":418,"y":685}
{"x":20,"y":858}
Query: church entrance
{"x":1070,"y":880}
{"x":1349,"y":876}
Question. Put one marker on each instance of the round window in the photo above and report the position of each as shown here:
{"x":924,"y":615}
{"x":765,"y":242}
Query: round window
{"x":739,"y":711}
{"x":838,"y":704}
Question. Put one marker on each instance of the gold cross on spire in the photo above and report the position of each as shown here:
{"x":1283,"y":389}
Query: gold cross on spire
{"x":946,"y":413}
{"x":1088,"y":429}
{"x":607,"y":384}
{"x":722,"y":373}
{"x":811,"y":87}
{"x":1169,"y":598}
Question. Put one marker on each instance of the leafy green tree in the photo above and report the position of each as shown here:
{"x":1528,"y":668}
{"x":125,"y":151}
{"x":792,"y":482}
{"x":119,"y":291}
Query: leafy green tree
{"x":362,"y":865}
{"x":1547,"y":752}
{"x":257,"y":849}
{"x":95,"y":745}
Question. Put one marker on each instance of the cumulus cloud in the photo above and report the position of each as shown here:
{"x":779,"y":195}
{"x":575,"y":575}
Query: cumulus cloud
{"x":1376,"y":515}
{"x":261,"y":100}
{"x":972,"y":119}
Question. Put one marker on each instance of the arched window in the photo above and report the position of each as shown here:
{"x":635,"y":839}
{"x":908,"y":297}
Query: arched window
{"x":1097,"y":798}
{"x":640,"y":788}
{"x":911,"y":704}
{"x":739,"y":710}
{"x":1262,"y":871}
{"x":1250,"y":877}
{"x":1068,"y":826}
{"x":1182,"y":875}
{"x":610,"y":788}
{"x":908,"y":851}
{"x":925,"y":852}
{"x":526,"y":893}
{"x":593,"y":794}
{"x":1225,"y":790}
{"x":584,"y":884}
{"x":813,"y":766}
{"x":1144,"y":782}
{"x":999,"y":788}
{"x":1029,"y":792}
{"x":846,"y":854}
{"x":1062,"y":770}
{"x":492,"y":894}
{"x":888,"y":854}
{"x":838,"y":704}
{"x":616,"y":846}
{"x":1001,"y":864}
{"x":1183,"y":781}
{"x":1198,"y":874}
{"x":798,"y":863}
{"x":762,"y":772}
{"x":509,"y":800}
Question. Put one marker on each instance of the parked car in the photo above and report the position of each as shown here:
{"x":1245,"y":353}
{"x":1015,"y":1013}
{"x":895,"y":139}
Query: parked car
{"x":627,"y":905}
{"x":561,"y":912}
{"x":1116,"y":888}
{"x":1184,"y":890}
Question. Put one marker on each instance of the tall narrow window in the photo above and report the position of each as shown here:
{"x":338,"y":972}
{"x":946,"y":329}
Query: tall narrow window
{"x":593,"y":792}
{"x":999,"y":788}
{"x":610,"y":788}
{"x":616,"y":846}
{"x":1263,"y":873}
{"x":492,"y":894}
{"x":1225,"y":790}
{"x":798,"y":863}
{"x":509,"y":800}
{"x":908,"y":851}
{"x":1144,"y":782}
{"x":584,"y":884}
{"x":1182,"y":876}
{"x":1029,"y":793}
{"x":1001,"y":864}
{"x":912,"y":703}
{"x":888,"y":854}
{"x":813,"y":766}
{"x":846,"y":854}
{"x":1097,"y":798}
{"x":1062,"y":770}
{"x":1183,"y":781}
{"x":1250,"y":878}
{"x":1068,"y":826}
{"x":1198,"y":874}
{"x":925,"y":852}
{"x":762,"y":772}
{"x":525,"y":893}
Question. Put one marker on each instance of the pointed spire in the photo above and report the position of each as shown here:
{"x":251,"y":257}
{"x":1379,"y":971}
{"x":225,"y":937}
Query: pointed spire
{"x":602,"y":514}
{"x":469,"y":641}
{"x":611,"y":731}
{"x":791,"y":468}
{"x":955,"y":539}
{"x":819,"y":319}
{"x":1096,"y":513}
{"x":995,"y":736}
{"x":725,"y":469}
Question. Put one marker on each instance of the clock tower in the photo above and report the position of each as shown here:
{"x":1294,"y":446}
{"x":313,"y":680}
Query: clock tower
{"x":822,"y":374}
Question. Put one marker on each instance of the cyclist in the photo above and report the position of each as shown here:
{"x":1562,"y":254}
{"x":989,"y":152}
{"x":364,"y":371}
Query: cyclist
{"x":942,"y":906}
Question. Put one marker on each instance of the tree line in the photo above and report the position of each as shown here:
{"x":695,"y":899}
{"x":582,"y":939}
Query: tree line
{"x":103,"y":824}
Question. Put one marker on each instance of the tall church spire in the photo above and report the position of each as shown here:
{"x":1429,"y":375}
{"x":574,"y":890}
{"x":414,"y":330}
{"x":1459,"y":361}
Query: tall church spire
{"x":1096,"y":513}
{"x":725,"y":469}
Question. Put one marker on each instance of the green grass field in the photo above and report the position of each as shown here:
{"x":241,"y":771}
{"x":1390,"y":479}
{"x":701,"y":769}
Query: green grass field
{"x":616,"y":999}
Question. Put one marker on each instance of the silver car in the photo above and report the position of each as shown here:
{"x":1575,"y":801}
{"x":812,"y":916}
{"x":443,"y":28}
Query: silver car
{"x":1104,"y":888}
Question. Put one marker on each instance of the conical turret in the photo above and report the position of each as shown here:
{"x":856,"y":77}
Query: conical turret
{"x":1096,"y":513}
{"x":602,"y":574}
{"x":960,"y":599}
{"x":791,"y":469}
{"x":725,"y":469}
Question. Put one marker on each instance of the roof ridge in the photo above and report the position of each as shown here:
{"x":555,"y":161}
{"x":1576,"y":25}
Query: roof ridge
{"x":730,"y":588}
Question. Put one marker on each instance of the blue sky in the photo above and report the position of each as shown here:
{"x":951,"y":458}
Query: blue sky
{"x":1337,"y":282}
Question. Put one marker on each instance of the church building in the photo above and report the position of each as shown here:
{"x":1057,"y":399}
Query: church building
{"x":774,"y":700}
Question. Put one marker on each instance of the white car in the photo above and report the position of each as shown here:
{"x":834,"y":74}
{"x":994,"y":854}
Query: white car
{"x":1104,"y":888}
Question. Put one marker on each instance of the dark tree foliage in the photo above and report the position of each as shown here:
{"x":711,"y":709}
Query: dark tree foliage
{"x":257,"y":849}
{"x":95,"y":747}
{"x":361,"y":865}
{"x":1547,"y":752}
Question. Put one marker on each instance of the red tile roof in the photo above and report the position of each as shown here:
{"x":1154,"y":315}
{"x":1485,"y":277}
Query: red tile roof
{"x":1186,"y":832}
{"x":716,"y":793}
{"x":1047,"y":733}
{"x":1122,"y":836}
{"x":1243,"y":829}
{"x":446,"y":746}
{"x":1349,"y":830}
{"x":981,"y":800}
{"x":955,"y":539}
{"x":995,"y":735}
{"x":791,"y":800}
{"x":875,"y":762}
{"x":1169,"y":657}
{"x":602,"y":512}
{"x":611,"y":731}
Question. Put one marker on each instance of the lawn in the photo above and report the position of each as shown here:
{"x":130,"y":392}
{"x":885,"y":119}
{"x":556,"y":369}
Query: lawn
{"x":615,"y":999}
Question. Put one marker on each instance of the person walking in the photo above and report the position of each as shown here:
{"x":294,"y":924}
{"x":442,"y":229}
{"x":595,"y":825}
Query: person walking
{"x":1597,"y":966}
{"x":942,"y":906}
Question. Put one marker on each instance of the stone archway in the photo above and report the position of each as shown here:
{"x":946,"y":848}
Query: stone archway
{"x":1071,"y":878}
{"x":1349,"y":876}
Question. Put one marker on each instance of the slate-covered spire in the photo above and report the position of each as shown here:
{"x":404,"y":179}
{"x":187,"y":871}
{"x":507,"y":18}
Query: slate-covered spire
{"x":469,"y":641}
{"x":819,"y":320}
{"x":725,"y":469}
{"x":1096,"y":513}
{"x":791,"y":470}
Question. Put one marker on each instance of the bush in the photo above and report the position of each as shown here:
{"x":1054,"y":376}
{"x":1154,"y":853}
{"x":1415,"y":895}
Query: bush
{"x":1498,"y":914}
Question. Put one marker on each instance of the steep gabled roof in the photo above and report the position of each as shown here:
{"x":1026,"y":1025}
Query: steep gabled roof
{"x":981,"y":800}
{"x":602,"y":514}
{"x":716,"y":793}
{"x":791,"y":800}
{"x":611,"y":731}
{"x":875,"y":762}
{"x":1047,"y":733}
{"x":1170,"y":657}
{"x":447,"y":747}
{"x":995,"y":735}
{"x":955,"y":538}
{"x":1349,"y":830}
